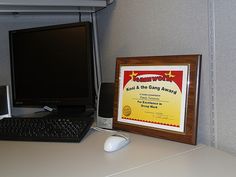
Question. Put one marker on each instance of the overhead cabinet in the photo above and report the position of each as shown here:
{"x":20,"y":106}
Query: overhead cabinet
{"x":52,"y":5}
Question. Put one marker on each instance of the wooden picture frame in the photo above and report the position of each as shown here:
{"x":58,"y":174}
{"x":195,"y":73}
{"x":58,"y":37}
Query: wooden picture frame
{"x":158,"y":96}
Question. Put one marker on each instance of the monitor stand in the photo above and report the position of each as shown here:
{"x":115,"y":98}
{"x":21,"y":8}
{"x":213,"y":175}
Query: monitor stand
{"x":73,"y":111}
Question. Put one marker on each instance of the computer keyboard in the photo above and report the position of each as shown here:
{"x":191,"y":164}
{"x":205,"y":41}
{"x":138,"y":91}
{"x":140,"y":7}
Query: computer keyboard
{"x":45,"y":129}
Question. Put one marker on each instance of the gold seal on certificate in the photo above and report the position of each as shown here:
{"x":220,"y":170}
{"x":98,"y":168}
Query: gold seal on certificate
{"x":126,"y":110}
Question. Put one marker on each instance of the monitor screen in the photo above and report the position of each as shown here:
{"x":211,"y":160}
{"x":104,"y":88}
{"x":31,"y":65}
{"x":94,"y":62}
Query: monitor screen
{"x":52,"y":65}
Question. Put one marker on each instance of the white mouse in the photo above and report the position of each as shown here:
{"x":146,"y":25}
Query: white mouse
{"x":115,"y":142}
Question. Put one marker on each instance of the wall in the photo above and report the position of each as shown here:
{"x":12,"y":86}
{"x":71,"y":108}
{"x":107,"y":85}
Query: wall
{"x":19,"y":21}
{"x":225,"y":32}
{"x":163,"y":27}
{"x":158,"y":27}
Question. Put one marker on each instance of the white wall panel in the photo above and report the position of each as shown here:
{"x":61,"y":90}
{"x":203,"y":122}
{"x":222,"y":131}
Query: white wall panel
{"x":225,"y":73}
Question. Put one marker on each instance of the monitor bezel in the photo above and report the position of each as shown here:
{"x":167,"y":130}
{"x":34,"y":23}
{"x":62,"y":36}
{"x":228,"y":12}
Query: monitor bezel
{"x":87,"y":101}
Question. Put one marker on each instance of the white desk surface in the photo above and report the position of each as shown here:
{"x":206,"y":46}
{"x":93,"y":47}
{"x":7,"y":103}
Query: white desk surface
{"x":144,"y":156}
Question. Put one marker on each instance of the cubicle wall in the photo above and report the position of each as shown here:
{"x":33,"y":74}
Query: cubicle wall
{"x":164,"y":27}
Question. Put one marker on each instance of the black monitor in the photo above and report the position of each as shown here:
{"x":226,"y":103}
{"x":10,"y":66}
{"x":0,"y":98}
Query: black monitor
{"x":52,"y":66}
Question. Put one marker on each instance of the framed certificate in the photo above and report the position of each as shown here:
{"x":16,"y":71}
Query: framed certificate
{"x":158,"y":96}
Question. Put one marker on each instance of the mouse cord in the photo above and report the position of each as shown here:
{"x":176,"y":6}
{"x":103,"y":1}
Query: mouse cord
{"x":116,"y":133}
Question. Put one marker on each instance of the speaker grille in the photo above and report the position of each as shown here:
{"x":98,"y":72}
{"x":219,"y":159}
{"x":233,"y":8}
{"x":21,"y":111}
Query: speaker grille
{"x":106,"y":98}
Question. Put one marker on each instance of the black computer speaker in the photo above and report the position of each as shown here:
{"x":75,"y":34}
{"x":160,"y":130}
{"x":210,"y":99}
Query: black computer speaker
{"x":5,"y":110}
{"x":105,"y":105}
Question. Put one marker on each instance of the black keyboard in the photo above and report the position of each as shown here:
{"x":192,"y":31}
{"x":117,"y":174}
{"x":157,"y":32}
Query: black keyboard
{"x":44,"y":129}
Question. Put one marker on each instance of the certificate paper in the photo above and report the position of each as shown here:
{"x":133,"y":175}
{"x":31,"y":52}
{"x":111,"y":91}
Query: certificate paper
{"x":153,"y":96}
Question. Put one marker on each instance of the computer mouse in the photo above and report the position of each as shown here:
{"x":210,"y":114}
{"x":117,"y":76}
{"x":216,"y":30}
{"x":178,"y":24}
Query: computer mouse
{"x":115,"y":142}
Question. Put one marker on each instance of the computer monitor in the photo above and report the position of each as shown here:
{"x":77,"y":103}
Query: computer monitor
{"x":52,"y":66}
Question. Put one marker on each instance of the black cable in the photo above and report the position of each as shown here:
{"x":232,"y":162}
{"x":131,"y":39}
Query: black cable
{"x":95,"y":56}
{"x":79,"y":16}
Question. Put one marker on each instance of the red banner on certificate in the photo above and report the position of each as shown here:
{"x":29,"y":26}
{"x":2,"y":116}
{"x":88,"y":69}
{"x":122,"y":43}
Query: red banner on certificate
{"x":153,"y":96}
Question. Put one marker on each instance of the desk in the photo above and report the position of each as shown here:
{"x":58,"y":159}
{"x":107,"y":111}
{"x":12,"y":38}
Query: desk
{"x":143,"y":157}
